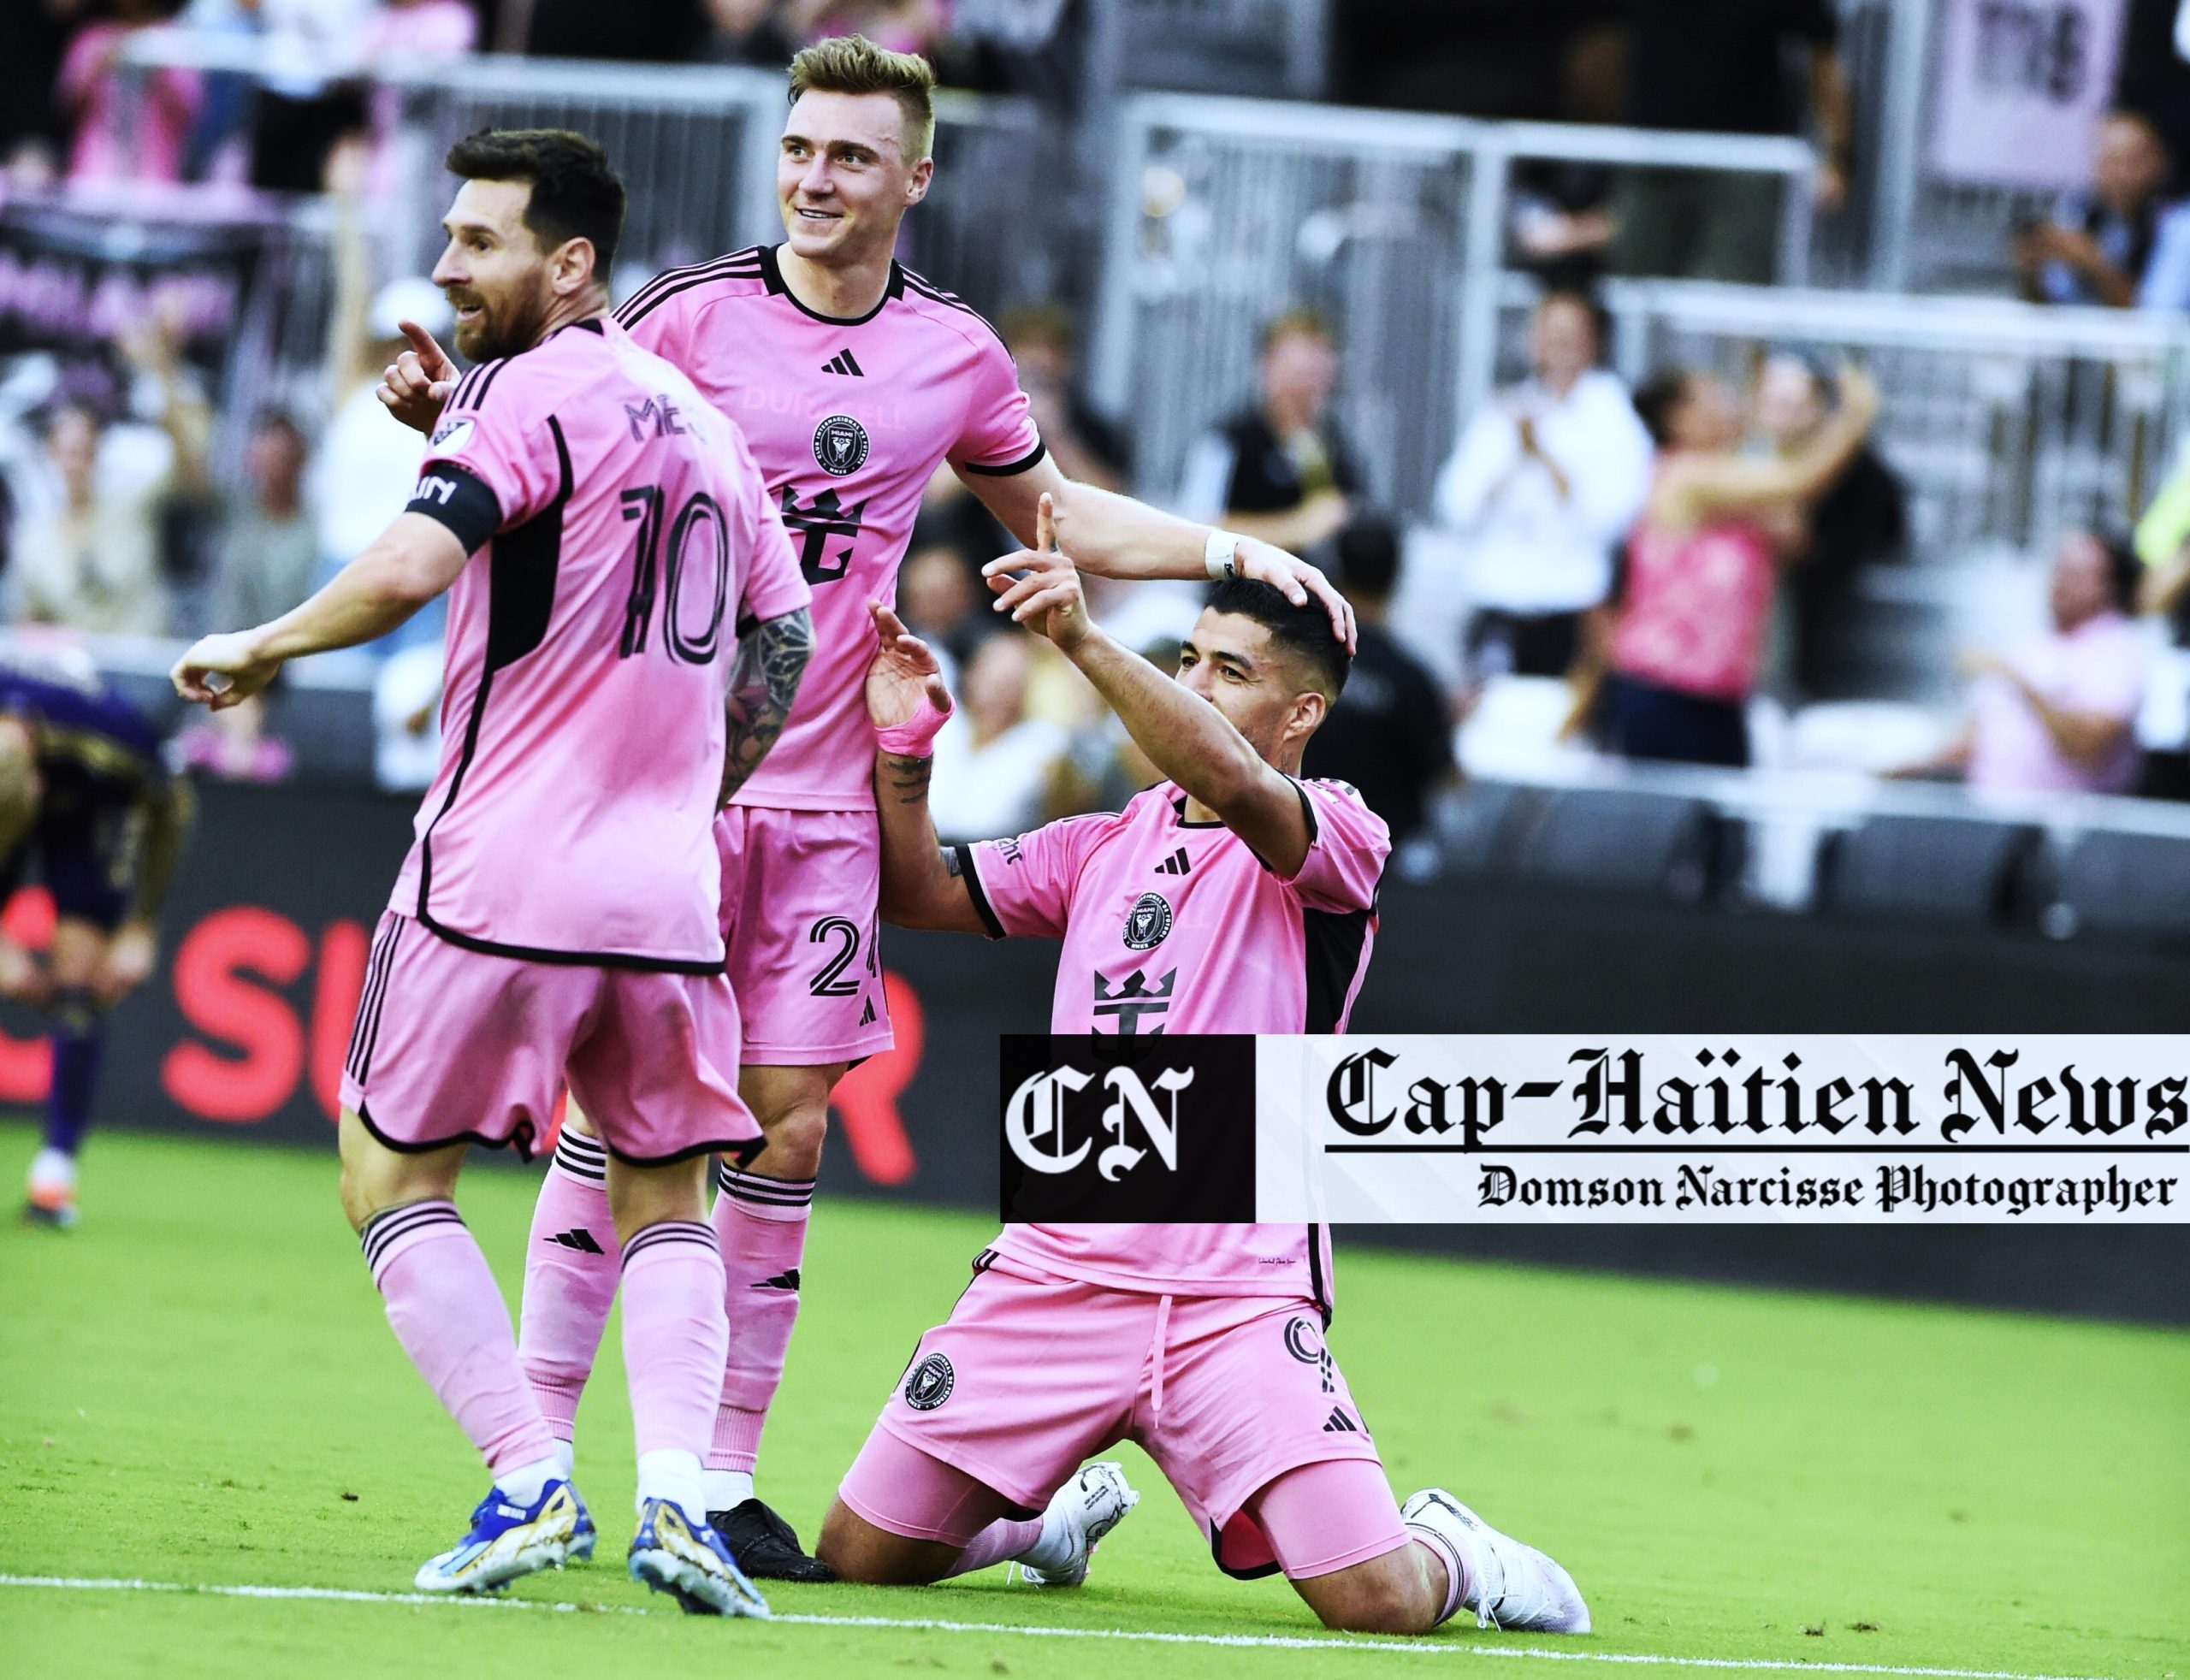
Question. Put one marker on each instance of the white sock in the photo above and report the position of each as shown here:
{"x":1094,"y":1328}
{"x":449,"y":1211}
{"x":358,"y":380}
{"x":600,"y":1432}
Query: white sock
{"x":726,"y":1490}
{"x":527,"y":1483}
{"x":1054,"y":1549}
{"x":670,"y":1473}
{"x":567,"y":1459}
{"x":50,"y":1166}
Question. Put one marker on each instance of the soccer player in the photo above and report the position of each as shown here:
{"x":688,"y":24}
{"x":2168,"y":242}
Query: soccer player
{"x":1233,"y":897}
{"x":85,"y":790}
{"x":853,"y":380}
{"x":603,"y":533}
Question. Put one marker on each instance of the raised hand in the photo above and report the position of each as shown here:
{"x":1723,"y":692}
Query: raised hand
{"x":905,"y":680}
{"x":1040,"y":588}
{"x":415,"y":386}
{"x":218,"y":672}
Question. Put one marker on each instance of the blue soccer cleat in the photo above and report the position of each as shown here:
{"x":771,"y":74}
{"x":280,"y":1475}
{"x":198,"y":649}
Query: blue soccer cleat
{"x":508,"y":1540}
{"x":688,"y":1560}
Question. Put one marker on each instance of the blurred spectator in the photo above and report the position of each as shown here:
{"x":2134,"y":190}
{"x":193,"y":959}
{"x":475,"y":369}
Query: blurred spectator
{"x":1542,"y":489}
{"x":367,"y":463}
{"x":267,"y":539}
{"x":747,"y":32}
{"x":901,"y":25}
{"x":1686,"y":638}
{"x":940,"y":601}
{"x":125,"y":131}
{"x":1724,"y":66}
{"x":407,"y":718}
{"x":1279,"y":470}
{"x":1860,"y":520}
{"x":237,"y":745}
{"x":994,"y":765}
{"x":2121,"y":244}
{"x":32,"y":135}
{"x":1388,"y":733}
{"x":1561,"y":222}
{"x":406,"y":31}
{"x":2058,"y":714}
{"x":88,"y":542}
{"x":1044,"y":343}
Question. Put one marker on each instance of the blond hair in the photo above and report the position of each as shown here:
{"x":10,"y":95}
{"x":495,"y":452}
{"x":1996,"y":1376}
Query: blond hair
{"x":854,"y":64}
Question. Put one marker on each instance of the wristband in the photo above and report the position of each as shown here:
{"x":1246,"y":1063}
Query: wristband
{"x":915,"y":739}
{"x":1219,"y":555}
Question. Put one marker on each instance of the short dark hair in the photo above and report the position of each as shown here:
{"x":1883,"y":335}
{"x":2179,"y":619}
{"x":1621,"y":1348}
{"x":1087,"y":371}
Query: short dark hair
{"x":1658,"y":398}
{"x":1368,"y":553}
{"x":2125,"y":569}
{"x":575,"y":195}
{"x":1303,"y":631}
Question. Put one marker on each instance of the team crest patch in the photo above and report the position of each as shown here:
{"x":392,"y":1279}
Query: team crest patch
{"x":930,"y":1383}
{"x":840,"y":445}
{"x":450,"y":435}
{"x":1148,"y":923}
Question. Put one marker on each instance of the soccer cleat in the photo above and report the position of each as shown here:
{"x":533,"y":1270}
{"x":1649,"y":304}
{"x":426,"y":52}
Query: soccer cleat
{"x":50,"y":1192}
{"x":765,"y":1545}
{"x":1511,"y":1586}
{"x":1086,"y":1508}
{"x":508,"y":1540}
{"x":691,"y":1565}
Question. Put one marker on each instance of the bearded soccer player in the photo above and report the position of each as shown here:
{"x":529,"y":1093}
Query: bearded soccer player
{"x":603,"y":531}
{"x":1232,"y":897}
{"x":853,"y":380}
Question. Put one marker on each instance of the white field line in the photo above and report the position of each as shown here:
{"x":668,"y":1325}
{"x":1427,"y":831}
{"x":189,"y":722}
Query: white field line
{"x":1444,"y":1648}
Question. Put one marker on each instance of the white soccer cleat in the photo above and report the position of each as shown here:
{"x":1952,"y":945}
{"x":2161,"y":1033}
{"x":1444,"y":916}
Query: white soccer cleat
{"x":1082,"y":1511}
{"x":1510,"y":1586}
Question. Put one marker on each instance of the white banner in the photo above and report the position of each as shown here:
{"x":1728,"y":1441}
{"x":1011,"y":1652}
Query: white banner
{"x":2023,"y":86}
{"x":1805,"y":1128}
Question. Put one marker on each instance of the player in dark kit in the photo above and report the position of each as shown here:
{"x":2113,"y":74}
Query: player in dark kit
{"x":86,"y":792}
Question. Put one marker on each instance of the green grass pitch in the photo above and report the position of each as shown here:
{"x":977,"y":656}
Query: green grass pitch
{"x":197,"y":1387}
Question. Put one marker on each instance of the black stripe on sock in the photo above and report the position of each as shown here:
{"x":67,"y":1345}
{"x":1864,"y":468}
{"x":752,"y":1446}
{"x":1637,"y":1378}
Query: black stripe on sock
{"x":384,"y":1227}
{"x":582,"y":1158}
{"x":671,"y":1230}
{"x":773,"y":1193}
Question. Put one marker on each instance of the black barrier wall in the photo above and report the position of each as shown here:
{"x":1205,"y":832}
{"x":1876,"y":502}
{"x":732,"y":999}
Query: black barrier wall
{"x":243,"y":1032}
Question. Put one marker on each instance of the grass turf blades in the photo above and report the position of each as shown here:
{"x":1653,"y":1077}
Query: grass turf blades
{"x":193,"y":1383}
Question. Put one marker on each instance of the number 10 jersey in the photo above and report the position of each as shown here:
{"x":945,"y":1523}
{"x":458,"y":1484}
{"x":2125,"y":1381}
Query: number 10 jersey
{"x":619,"y":533}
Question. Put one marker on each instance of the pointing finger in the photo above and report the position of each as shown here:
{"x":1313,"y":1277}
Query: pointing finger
{"x":1046,"y":527}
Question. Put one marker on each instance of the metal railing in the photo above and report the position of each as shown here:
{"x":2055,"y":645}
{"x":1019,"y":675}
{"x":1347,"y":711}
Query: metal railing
{"x":1394,"y":225}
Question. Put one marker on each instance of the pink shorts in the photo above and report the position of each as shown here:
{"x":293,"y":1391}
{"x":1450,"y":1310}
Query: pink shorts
{"x":458,"y":1046}
{"x":1032,"y":1375}
{"x":799,"y":891}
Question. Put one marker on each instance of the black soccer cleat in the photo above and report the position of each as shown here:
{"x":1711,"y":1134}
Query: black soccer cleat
{"x":765,"y":1545}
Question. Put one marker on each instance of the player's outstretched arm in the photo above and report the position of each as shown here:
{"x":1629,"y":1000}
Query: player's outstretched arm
{"x":1113,"y":535}
{"x":771,"y":661}
{"x":410,"y":562}
{"x":1186,"y":737}
{"x":907,"y":704}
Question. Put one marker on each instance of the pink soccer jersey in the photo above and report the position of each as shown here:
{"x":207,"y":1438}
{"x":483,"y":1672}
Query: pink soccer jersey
{"x":619,"y":531}
{"x":1176,"y":926}
{"x":848,"y":419}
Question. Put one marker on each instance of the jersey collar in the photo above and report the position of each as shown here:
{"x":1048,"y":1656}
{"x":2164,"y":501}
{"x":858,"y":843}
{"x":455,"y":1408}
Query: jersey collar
{"x":771,"y":277}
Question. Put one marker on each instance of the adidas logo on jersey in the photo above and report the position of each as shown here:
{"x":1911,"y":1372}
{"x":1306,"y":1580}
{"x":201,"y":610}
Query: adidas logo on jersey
{"x":842,"y":363}
{"x":579,"y":1238}
{"x":1176,"y":864}
{"x":1339,"y":1424}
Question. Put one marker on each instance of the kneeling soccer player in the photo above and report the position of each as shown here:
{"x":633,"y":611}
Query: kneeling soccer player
{"x":86,"y":792}
{"x":1233,"y":898}
{"x":601,"y":530}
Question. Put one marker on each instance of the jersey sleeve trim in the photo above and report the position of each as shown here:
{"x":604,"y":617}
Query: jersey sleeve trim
{"x":970,"y":873}
{"x":455,"y":497}
{"x":1315,"y":832}
{"x":738,"y":265}
{"x":1008,"y":469}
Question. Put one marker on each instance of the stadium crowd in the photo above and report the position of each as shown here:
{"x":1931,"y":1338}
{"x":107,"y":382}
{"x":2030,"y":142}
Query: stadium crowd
{"x":1649,"y":568}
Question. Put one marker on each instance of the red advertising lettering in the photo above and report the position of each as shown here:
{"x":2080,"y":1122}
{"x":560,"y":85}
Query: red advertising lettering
{"x":217,"y":996}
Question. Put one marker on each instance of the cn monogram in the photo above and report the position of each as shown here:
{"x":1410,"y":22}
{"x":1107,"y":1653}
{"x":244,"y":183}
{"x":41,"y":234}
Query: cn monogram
{"x":1034,"y":1121}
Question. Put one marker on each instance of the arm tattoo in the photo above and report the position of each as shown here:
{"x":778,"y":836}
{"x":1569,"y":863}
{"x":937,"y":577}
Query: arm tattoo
{"x":770,"y":662}
{"x":909,"y":777}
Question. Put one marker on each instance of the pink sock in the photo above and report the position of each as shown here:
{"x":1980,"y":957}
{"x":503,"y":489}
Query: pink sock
{"x":570,"y":1262}
{"x":1456,"y":1574}
{"x":447,"y":1312}
{"x":761,"y":1225}
{"x":673,"y":1336}
{"x":1001,"y":1541}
